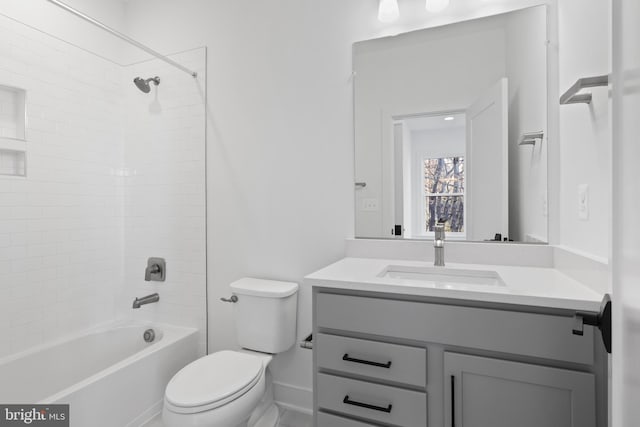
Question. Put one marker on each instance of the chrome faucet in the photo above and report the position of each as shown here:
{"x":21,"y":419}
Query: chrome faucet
{"x":438,"y":245}
{"x":138,"y":302}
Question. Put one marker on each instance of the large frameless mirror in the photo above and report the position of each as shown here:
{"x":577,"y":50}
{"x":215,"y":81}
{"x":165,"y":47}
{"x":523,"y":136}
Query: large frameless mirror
{"x":450,"y":125}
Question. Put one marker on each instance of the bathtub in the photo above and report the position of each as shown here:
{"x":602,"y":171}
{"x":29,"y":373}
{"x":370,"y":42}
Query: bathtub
{"x":110,"y":377}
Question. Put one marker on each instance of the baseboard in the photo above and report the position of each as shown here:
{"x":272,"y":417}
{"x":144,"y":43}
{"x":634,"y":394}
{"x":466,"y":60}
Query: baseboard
{"x":293,"y":397}
{"x":147,"y":415}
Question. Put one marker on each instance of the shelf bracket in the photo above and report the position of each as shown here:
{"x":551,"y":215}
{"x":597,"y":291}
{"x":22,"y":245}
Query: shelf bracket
{"x":530,"y":138}
{"x":571,"y":96}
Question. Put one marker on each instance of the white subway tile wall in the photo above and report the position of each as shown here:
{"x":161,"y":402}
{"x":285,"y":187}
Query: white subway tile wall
{"x":164,"y":204}
{"x":92,"y":208}
{"x":62,"y":232}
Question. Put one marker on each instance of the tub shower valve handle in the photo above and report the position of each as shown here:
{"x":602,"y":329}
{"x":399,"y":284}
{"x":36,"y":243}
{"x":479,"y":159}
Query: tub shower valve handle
{"x":156,"y":270}
{"x":233,"y":299}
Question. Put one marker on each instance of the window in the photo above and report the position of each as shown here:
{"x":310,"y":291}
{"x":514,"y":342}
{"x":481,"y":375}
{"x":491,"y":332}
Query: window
{"x":443,"y":199}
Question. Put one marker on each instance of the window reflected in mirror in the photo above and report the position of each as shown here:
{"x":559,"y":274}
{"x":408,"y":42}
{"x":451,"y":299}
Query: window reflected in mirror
{"x":444,"y":193}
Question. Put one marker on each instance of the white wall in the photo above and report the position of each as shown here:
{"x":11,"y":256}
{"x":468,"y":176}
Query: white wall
{"x":585,"y":131}
{"x":60,"y":228}
{"x":439,"y":142}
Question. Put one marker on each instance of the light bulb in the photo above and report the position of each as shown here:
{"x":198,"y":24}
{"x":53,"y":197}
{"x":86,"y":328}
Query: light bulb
{"x":388,"y":10}
{"x":436,"y":5}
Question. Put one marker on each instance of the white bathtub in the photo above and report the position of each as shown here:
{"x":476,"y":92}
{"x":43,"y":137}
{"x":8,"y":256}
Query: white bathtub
{"x":110,"y":377}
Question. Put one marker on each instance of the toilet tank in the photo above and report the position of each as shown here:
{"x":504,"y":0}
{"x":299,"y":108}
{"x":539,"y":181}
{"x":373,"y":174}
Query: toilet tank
{"x":265,"y":314}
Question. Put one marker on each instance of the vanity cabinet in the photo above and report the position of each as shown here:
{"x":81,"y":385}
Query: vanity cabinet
{"x":393,"y":360}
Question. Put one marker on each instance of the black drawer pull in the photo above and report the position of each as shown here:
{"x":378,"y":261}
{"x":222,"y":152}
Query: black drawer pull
{"x":348,"y":401}
{"x":366,"y":362}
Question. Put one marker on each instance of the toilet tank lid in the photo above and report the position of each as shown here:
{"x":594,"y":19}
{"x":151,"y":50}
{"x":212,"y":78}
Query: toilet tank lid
{"x":263,"y":288}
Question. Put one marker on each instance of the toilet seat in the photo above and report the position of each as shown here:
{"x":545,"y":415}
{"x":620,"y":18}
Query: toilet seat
{"x":213,"y":381}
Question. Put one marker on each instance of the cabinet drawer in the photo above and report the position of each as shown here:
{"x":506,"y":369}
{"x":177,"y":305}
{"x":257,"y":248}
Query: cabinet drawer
{"x":372,"y":401}
{"x":390,"y":362}
{"x":328,"y":420}
{"x":529,"y":334}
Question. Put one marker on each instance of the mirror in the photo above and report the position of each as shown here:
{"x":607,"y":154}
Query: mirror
{"x":450,"y":125}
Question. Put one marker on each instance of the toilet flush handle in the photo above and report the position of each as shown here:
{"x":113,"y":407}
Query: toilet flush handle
{"x":232,"y":299}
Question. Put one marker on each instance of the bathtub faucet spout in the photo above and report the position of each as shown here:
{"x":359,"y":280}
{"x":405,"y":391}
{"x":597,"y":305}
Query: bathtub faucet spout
{"x":138,"y":302}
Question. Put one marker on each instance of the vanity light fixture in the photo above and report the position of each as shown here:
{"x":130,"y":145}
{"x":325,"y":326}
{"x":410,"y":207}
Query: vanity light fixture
{"x":436,"y":5}
{"x":388,"y":11}
{"x":449,"y":118}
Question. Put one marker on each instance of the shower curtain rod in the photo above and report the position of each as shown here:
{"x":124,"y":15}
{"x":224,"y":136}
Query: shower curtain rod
{"x":121,"y":36}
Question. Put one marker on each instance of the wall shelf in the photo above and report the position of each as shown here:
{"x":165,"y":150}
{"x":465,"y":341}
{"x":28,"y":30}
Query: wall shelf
{"x":572,"y":96}
{"x":12,"y":144}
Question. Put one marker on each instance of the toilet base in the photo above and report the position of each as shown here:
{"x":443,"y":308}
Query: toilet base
{"x":266,"y":414}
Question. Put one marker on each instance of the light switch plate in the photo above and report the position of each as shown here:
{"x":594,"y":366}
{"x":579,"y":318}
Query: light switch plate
{"x":583,"y":202}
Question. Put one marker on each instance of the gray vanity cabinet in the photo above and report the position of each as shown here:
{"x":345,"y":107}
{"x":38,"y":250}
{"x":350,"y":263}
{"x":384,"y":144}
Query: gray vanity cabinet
{"x":405,"y":361}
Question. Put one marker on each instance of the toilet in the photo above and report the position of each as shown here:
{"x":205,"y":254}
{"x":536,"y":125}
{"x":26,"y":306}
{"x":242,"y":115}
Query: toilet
{"x":233,"y":388}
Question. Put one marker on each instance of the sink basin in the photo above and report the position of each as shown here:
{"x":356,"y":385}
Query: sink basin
{"x":442,"y":277}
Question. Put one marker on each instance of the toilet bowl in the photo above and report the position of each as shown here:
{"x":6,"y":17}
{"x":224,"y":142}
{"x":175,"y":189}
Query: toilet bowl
{"x":233,"y":388}
{"x":223,"y":389}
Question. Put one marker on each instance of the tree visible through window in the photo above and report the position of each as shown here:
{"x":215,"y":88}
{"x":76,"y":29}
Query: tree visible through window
{"x":444,"y":193}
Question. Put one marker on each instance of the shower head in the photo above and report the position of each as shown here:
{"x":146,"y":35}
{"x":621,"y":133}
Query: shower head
{"x":143,"y":84}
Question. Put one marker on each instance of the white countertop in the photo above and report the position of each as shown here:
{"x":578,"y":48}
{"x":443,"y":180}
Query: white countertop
{"x":531,"y":286}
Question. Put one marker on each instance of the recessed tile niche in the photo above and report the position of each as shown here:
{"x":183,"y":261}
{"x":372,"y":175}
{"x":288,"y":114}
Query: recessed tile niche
{"x":13,"y":163}
{"x":12,"y":131}
{"x":12,"y":112}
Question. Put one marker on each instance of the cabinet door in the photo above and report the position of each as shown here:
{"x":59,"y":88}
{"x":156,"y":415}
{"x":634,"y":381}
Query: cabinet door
{"x":481,"y":392}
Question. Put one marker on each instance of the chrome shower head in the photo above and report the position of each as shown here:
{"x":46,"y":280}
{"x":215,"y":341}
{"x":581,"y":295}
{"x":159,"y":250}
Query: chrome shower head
{"x":143,"y":84}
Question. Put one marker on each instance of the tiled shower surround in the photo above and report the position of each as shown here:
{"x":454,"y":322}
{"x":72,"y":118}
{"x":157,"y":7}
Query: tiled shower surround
{"x":113,"y":176}
{"x":164,"y":188}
